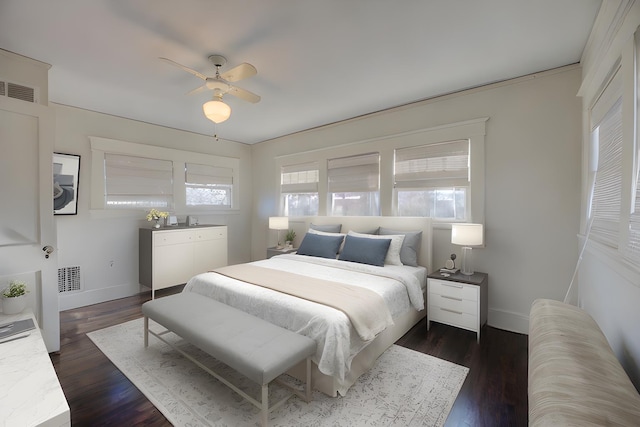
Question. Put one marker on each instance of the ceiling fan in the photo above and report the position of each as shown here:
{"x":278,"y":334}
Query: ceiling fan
{"x":216,"y":110}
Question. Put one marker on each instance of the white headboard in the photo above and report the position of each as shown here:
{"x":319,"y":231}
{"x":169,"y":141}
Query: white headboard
{"x":367,"y":223}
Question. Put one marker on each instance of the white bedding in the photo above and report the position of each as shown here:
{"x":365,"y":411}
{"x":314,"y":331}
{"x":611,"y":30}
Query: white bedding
{"x":337,"y":342}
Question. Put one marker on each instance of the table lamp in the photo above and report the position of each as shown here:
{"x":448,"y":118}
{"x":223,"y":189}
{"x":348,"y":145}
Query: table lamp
{"x":467,"y":235}
{"x":278,"y":223}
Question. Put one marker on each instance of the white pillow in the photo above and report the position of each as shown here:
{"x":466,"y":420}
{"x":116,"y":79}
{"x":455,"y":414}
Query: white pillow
{"x":393,"y":254}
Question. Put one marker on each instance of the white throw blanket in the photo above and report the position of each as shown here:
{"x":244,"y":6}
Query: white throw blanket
{"x":337,"y":340}
{"x":366,"y":309}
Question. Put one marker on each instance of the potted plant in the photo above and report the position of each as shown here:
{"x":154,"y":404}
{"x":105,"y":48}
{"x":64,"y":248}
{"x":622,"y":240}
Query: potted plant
{"x":288,"y":238}
{"x":14,"y":297}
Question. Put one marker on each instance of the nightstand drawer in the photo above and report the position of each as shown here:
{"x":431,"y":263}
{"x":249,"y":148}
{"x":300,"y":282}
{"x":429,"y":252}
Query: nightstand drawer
{"x":453,"y":317}
{"x":454,"y":303}
{"x":453,"y":290}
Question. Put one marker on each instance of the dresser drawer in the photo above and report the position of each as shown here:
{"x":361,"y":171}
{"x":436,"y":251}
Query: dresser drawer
{"x":453,"y":317}
{"x":454,"y":303}
{"x":162,"y":238}
{"x":210,"y":233}
{"x":453,"y":290}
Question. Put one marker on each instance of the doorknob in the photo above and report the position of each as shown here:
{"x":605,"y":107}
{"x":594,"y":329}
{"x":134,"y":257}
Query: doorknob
{"x":47,"y":250}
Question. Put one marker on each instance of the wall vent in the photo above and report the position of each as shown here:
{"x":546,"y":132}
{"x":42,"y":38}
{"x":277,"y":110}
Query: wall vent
{"x":68,"y":279}
{"x":16,"y":91}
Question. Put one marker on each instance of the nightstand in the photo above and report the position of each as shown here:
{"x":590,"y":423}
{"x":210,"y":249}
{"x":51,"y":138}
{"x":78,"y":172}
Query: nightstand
{"x":458,"y":300}
{"x":273,"y":251}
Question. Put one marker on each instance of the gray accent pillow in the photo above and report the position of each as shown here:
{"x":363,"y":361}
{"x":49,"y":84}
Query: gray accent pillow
{"x":320,"y":245}
{"x":365,"y":251}
{"x":330,"y":228}
{"x":373,"y":231}
{"x":410,"y":245}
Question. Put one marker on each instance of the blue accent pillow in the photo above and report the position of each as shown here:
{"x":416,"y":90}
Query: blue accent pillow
{"x":330,"y":228}
{"x":410,"y":245}
{"x":365,"y":251}
{"x":320,"y":245}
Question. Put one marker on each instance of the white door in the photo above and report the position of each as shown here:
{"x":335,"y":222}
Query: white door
{"x":27,"y":132}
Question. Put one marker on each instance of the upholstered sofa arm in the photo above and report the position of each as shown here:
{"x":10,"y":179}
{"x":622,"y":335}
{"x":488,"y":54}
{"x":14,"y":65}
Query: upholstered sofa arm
{"x":575,"y":378}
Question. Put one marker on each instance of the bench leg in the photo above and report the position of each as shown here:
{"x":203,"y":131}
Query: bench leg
{"x":308,"y":384}
{"x":265,"y":405}
{"x":146,"y":332}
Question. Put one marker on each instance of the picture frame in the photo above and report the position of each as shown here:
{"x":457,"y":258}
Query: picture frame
{"x":66,"y":179}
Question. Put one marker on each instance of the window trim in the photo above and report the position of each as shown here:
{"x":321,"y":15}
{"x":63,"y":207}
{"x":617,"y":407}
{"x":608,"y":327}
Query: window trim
{"x":100,"y":146}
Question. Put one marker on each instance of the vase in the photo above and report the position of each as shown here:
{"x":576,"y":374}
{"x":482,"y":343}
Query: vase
{"x":14,"y":305}
{"x":157,"y":224}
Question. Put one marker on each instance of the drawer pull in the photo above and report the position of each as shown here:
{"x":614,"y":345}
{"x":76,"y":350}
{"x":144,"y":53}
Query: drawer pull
{"x":448,"y":297}
{"x":453,"y":286}
{"x":451,"y":311}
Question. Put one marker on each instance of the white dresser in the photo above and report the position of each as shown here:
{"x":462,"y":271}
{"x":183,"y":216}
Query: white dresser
{"x":30,"y":393}
{"x":172,"y":255}
{"x":458,"y":300}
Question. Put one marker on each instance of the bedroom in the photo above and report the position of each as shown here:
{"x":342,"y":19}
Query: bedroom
{"x":522,"y":265}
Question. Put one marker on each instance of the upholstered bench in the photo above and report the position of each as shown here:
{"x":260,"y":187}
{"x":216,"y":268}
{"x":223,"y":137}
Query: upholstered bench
{"x":575,"y":378}
{"x":253,"y":347}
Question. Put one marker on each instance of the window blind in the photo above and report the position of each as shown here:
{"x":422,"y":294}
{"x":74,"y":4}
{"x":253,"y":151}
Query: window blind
{"x":607,"y":133}
{"x":354,"y":174}
{"x":207,"y":185}
{"x":443,"y":164}
{"x":137,"y":182}
{"x":208,"y":175}
{"x":300,"y":178}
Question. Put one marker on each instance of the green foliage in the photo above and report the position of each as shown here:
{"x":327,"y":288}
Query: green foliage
{"x":16,"y":288}
{"x":290,"y":236}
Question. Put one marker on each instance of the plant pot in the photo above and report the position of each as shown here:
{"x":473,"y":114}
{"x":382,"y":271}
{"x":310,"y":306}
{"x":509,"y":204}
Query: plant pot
{"x":14,"y":305}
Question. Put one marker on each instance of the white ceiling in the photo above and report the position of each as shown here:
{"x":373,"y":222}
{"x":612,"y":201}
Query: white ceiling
{"x":318,"y":61}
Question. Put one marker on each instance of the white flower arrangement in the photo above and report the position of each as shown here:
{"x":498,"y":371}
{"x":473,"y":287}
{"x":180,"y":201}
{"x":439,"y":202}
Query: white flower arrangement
{"x":155,"y":214}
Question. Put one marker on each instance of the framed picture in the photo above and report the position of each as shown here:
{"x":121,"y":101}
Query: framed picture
{"x":66,"y":177}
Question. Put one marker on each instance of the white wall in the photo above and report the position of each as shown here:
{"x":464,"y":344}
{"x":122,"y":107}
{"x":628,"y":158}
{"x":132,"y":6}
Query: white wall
{"x":105,"y":245}
{"x":532,"y":174}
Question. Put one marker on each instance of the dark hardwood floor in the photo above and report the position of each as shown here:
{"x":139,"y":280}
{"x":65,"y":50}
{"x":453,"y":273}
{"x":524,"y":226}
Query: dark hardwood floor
{"x":494,"y":393}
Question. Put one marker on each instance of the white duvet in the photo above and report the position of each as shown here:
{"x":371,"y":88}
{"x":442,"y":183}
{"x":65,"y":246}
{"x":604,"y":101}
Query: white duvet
{"x":337,"y":341}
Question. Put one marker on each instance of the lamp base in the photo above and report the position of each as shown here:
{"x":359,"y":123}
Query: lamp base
{"x":467,"y":261}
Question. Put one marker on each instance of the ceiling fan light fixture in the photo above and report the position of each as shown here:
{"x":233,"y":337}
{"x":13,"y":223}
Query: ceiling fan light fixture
{"x":216,"y":111}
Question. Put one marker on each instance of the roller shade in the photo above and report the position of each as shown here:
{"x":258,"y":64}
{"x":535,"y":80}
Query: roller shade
{"x":137,"y":181}
{"x":354,"y":174}
{"x":443,"y":164}
{"x":208,"y":175}
{"x":300,"y":178}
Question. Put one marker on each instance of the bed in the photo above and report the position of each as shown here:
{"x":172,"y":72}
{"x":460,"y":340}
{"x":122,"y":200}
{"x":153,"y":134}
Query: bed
{"x":345,"y":348}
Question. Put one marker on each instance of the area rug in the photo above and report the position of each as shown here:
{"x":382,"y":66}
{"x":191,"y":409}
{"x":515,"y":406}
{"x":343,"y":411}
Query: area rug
{"x":404,"y":388}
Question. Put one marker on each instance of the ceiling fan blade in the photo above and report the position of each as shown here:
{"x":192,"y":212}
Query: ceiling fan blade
{"x":243,"y":94}
{"x":240,"y":72}
{"x":198,"y":90}
{"x":187,"y":69}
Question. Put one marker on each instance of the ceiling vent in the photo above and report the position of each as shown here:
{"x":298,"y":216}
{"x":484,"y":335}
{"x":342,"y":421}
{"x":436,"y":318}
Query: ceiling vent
{"x":16,"y":91}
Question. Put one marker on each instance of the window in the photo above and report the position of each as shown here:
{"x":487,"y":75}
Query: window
{"x":606,"y":139}
{"x":208,"y":185}
{"x":137,"y":177}
{"x":433,"y":180}
{"x":137,"y":182}
{"x":354,"y":185}
{"x":299,"y":189}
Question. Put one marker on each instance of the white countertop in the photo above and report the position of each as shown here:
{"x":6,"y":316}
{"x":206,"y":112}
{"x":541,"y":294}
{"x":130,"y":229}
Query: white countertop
{"x":30,"y":393}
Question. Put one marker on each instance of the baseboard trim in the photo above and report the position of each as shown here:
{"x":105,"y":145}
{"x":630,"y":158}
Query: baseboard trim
{"x":95,"y":296}
{"x":509,"y":321}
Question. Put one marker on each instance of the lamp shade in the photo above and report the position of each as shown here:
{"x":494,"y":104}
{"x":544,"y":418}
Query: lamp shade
{"x":216,"y":111}
{"x":278,"y":223}
{"x":466,"y":234}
